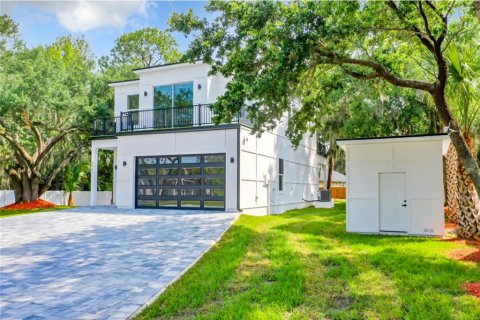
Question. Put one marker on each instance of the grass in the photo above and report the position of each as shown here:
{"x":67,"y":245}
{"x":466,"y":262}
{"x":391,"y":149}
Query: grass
{"x":303,"y":265}
{"x":10,"y":213}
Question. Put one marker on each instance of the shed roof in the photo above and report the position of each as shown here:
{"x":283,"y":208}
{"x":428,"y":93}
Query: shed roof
{"x":389,"y":139}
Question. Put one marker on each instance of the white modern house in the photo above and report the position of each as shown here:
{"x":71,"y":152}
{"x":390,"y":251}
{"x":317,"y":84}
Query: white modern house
{"x":395,"y":184}
{"x":169,"y":154}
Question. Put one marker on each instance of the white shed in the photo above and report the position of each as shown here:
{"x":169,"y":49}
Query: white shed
{"x":395,"y":184}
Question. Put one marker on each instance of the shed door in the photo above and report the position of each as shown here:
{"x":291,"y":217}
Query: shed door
{"x":393,"y":202}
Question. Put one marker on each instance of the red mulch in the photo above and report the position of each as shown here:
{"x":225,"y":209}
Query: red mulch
{"x":37,"y":204}
{"x":450,"y":236}
{"x":450,"y":225}
{"x":466,"y":255}
{"x":473,"y":288}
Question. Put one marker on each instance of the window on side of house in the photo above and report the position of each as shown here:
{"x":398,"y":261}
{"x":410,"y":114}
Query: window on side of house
{"x":133,"y":104}
{"x":280,"y":174}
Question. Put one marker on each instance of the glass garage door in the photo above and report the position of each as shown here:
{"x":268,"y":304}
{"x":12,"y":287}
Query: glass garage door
{"x":181,"y":181}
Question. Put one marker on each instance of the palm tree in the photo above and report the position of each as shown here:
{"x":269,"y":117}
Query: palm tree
{"x":71,"y":179}
{"x":464,"y":94}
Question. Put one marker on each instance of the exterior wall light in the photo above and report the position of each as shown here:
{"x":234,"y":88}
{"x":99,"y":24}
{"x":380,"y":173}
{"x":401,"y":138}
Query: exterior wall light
{"x":124,"y":163}
{"x":145,"y":93}
{"x":232,"y":159}
{"x":199,"y":86}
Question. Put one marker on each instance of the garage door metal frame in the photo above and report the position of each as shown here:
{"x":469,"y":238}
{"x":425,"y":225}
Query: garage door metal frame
{"x":177,"y":171}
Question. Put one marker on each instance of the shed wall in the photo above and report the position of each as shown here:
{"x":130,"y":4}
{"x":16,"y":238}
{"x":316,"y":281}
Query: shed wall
{"x":422,"y":163}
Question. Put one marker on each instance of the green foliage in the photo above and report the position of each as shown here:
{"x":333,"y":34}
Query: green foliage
{"x":145,"y":48}
{"x":279,"y":52}
{"x":8,"y":30}
{"x":45,"y":108}
{"x":464,"y":82}
{"x":72,"y":175}
{"x":142,"y":48}
{"x":303,"y":265}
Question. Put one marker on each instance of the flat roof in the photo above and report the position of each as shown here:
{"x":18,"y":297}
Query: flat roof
{"x":122,"y":81}
{"x":412,"y":138}
{"x":395,"y":137}
{"x":167,"y":66}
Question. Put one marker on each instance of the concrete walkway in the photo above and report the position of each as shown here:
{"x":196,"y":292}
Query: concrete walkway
{"x":97,"y":263}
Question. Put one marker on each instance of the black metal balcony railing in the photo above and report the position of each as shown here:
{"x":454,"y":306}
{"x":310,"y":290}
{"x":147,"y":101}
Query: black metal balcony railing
{"x":168,"y":118}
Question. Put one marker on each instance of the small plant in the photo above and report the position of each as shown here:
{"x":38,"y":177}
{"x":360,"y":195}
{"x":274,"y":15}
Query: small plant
{"x":71,"y":178}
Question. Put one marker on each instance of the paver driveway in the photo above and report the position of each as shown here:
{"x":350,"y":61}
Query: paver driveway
{"x":97,"y":263}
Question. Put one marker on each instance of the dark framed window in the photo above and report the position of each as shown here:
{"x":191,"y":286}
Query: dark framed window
{"x":280,"y":174}
{"x":173,"y":104}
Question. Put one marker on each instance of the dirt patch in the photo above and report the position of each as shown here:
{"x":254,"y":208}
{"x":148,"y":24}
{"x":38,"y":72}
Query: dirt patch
{"x":473,"y":288}
{"x":37,"y":204}
{"x":472,"y":255}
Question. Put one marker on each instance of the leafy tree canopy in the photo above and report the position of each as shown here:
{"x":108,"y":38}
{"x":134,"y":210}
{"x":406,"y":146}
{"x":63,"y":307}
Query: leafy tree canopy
{"x":271,"y":50}
{"x":45,"y":110}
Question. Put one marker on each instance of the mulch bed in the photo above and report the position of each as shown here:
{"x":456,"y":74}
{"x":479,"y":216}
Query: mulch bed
{"x":473,"y":288}
{"x":37,"y":204}
{"x":451,"y":236}
{"x":472,"y":255}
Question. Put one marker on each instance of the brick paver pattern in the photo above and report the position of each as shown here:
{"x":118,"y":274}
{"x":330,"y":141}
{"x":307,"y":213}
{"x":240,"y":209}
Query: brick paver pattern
{"x":97,"y":263}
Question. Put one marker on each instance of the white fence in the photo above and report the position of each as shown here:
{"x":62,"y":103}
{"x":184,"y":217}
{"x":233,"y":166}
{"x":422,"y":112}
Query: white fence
{"x":80,"y":198}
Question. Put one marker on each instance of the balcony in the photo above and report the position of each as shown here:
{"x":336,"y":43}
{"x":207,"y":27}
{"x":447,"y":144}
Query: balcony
{"x":158,"y":119}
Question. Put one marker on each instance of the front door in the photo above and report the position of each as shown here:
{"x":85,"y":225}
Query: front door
{"x":393,"y":202}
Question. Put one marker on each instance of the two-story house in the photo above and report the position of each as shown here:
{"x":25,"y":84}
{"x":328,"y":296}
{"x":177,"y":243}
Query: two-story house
{"x":169,"y":154}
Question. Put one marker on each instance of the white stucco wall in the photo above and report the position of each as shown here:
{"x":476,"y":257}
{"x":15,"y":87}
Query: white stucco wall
{"x":259,"y":157}
{"x":128,"y":147}
{"x":420,"y":158}
{"x":210,"y":86}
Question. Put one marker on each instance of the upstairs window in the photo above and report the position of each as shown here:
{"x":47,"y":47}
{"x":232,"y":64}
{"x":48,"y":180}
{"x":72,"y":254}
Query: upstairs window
{"x":280,"y":174}
{"x":133,"y":104}
{"x":173,"y":96}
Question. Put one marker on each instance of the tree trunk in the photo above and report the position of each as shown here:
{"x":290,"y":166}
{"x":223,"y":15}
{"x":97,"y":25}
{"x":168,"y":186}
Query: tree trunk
{"x":465,"y":156}
{"x":70,"y":199}
{"x":469,"y":203}
{"x":451,"y":184}
{"x":330,"y":170}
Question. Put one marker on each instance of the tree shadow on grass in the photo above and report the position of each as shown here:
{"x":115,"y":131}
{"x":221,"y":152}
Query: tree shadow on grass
{"x":426,"y":283}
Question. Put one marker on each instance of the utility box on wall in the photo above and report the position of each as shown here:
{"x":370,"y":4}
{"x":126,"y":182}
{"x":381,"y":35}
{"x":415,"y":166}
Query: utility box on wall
{"x":395,"y":184}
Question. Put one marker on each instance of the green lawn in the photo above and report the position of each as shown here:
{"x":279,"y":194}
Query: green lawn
{"x":10,"y":213}
{"x":303,"y":265}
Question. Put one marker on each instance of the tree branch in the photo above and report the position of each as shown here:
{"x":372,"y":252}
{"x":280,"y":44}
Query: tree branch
{"x":425,"y":20}
{"x":50,"y":143}
{"x":18,"y":148}
{"x":427,"y":41}
{"x":434,"y":8}
{"x":48,"y":182}
{"x":381,"y":72}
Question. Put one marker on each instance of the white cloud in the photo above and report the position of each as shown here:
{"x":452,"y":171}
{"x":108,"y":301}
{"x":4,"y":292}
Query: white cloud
{"x":83,"y":15}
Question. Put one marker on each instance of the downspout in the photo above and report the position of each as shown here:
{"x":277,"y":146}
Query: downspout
{"x":238,"y":168}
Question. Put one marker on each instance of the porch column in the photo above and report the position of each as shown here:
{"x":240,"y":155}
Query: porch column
{"x":94,"y":177}
{"x":114,"y":185}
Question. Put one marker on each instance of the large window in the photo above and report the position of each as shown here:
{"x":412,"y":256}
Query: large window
{"x":174,"y":103}
{"x":280,"y":174}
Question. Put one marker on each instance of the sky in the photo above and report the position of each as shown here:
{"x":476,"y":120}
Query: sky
{"x":101,"y":22}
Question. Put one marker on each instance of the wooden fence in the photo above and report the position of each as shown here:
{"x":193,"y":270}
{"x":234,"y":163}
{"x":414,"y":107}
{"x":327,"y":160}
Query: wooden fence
{"x":338,"y":192}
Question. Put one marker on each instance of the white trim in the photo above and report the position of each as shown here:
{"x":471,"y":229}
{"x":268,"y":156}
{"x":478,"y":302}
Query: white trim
{"x":344,"y":143}
{"x":167,"y":67}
